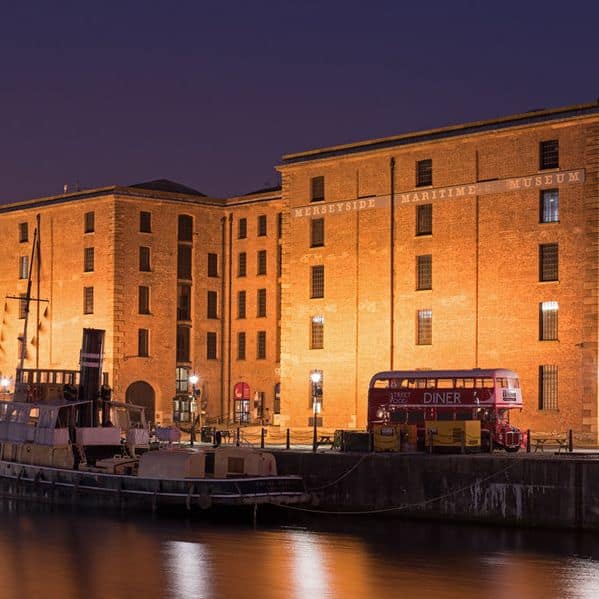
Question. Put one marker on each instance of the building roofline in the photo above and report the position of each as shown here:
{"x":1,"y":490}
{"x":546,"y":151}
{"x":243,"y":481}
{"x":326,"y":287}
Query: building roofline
{"x":525,"y":118}
{"x":98,"y":192}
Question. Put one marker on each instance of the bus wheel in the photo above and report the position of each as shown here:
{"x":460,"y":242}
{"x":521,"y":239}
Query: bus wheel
{"x":512,"y":449}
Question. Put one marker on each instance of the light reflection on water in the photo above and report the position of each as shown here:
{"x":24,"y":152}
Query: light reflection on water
{"x":81,"y":556}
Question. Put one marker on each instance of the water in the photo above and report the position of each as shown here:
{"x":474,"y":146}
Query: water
{"x":66,"y":555}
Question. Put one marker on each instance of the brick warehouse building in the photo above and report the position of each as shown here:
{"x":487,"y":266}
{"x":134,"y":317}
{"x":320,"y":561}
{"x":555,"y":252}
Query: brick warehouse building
{"x":461,"y":247}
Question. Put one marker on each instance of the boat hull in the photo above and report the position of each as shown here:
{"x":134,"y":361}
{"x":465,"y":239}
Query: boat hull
{"x":93,"y":489}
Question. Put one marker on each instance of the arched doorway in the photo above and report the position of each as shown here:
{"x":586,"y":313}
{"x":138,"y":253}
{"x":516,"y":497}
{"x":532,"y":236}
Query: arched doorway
{"x":141,"y":393}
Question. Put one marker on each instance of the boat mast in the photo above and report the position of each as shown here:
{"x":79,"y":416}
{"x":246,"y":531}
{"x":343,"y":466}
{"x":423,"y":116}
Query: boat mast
{"x":27,"y":298}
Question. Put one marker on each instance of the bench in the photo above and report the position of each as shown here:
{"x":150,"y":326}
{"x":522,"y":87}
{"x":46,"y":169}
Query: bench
{"x":325,"y":440}
{"x":543,"y":441}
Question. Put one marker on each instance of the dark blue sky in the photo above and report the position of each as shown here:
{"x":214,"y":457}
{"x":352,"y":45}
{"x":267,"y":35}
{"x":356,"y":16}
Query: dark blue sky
{"x":211,"y":94}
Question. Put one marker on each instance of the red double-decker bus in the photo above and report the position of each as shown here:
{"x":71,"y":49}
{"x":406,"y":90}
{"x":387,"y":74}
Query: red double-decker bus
{"x":415,"y":396}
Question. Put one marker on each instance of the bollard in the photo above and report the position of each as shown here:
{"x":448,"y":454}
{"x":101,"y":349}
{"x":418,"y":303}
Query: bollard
{"x":528,"y":441}
{"x":288,"y":439}
{"x":238,"y":436}
{"x":570,"y":441}
{"x":262,"y":432}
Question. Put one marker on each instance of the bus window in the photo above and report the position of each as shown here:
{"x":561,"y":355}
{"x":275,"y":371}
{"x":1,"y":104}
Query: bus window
{"x":444,"y":383}
{"x":378,"y":384}
{"x":502,"y":382}
{"x":421,"y":383}
{"x":484,"y":383}
{"x":514,"y":383}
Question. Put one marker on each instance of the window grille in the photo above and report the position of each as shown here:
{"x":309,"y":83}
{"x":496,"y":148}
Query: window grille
{"x":549,"y":154}
{"x":424,"y":272}
{"x":317,"y":332}
{"x":548,"y":312}
{"x":548,"y":262}
{"x":261,"y":262}
{"x":88,"y":300}
{"x":242,"y":265}
{"x":317,"y":282}
{"x":241,"y":304}
{"x":425,"y":327}
{"x":241,"y":346}
{"x":23,"y":232}
{"x":548,"y":387}
{"x":424,"y":172}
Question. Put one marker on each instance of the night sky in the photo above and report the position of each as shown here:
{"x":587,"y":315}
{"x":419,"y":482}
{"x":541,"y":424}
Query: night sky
{"x":211,"y":94}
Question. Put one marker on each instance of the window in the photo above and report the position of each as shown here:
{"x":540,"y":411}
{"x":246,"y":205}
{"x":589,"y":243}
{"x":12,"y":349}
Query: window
{"x":211,"y":346}
{"x":279,"y":225}
{"x":88,"y":259}
{"x":241,"y":346}
{"x":424,"y":272}
{"x":261,"y":262}
{"x":424,"y":219}
{"x":549,"y":206}
{"x":212,"y":265}
{"x":145,"y":222}
{"x":183,"y":334}
{"x":548,"y":387}
{"x":548,"y":321}
{"x":261,"y":225}
{"x":242,"y":228}
{"x":144,"y":259}
{"x":549,"y":154}
{"x":212,"y":300}
{"x":143,"y":346}
{"x":261,"y":302}
{"x":317,"y":333}
{"x":424,"y":172}
{"x":184,"y":262}
{"x":548,"y":262}
{"x":88,"y":300}
{"x":22,"y":306}
{"x":182,"y":380}
{"x":185,"y":228}
{"x":143,"y":297}
{"x":242,"y":265}
{"x":183,"y":302}
{"x":317,"y":232}
{"x":241,"y":304}
{"x":424,"y":333}
{"x":24,"y":267}
{"x":23,"y":232}
{"x":317,"y":189}
{"x":261,"y":345}
{"x":317,"y":283}
{"x":89,"y":222}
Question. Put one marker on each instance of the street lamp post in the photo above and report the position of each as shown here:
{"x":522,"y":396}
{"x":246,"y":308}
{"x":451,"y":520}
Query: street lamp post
{"x":315,"y":378}
{"x":193,"y":379}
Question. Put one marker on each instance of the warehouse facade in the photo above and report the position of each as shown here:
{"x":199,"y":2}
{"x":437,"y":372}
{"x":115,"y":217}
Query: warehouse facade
{"x":462,"y":247}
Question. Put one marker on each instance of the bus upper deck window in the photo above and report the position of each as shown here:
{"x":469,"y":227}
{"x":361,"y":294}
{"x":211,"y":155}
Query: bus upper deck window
{"x":514,"y":383}
{"x":502,"y":382}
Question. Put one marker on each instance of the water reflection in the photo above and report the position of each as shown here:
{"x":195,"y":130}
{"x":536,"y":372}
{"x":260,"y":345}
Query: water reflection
{"x":72,"y":556}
